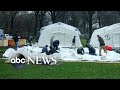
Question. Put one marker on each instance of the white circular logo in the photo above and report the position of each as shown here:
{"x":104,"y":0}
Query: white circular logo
{"x":107,"y":36}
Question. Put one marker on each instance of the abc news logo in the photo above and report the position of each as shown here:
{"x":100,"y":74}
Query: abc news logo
{"x":21,"y":60}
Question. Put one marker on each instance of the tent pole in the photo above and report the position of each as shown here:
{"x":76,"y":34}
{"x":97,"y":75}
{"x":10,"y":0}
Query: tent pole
{"x":112,"y":40}
{"x":119,"y":40}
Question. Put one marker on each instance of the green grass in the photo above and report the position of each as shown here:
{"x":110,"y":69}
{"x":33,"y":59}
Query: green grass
{"x":83,"y":42}
{"x":65,"y":70}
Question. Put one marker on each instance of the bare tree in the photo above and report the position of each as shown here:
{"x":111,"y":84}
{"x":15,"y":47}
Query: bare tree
{"x":41,"y":18}
{"x":8,"y":20}
{"x":56,"y":15}
{"x":28,"y":21}
{"x":118,"y":13}
{"x":99,"y":14}
{"x":36,"y":14}
{"x":5,"y":18}
{"x":12,"y":17}
{"x":88,"y":15}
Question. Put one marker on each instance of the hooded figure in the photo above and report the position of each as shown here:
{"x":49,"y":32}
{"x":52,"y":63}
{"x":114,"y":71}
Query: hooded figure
{"x":52,"y":51}
{"x":80,"y":50}
{"x":56,"y":44}
{"x":45,"y":49}
{"x":91,"y":49}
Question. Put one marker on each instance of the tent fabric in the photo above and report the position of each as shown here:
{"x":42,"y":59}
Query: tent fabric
{"x":62,"y":32}
{"x":110,"y":34}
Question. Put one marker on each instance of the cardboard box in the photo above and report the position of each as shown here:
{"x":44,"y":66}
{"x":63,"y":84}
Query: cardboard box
{"x":3,"y":42}
{"x":21,"y":42}
{"x":11,"y":42}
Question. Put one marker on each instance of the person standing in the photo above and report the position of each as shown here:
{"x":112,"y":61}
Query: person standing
{"x":102,"y":45}
{"x":30,"y":40}
{"x":73,"y":41}
{"x":15,"y":37}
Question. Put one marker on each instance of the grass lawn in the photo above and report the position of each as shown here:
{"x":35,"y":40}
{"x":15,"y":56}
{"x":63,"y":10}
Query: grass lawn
{"x":83,"y":42}
{"x":65,"y":70}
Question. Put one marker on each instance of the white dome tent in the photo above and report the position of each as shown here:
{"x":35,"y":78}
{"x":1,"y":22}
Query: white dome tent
{"x":110,"y":34}
{"x":62,"y":32}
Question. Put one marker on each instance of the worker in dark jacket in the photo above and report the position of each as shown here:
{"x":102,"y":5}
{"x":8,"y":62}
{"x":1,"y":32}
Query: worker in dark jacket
{"x":30,"y":40}
{"x":15,"y":37}
{"x":56,"y":44}
{"x":45,"y":49}
{"x":91,"y":49}
{"x":102,"y":45}
{"x":80,"y":50}
{"x":73,"y":42}
{"x":52,"y":51}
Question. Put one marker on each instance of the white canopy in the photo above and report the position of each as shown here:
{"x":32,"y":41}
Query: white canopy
{"x":110,"y":34}
{"x":62,"y":32}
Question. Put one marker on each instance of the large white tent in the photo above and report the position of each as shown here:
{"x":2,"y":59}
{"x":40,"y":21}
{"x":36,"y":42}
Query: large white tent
{"x":62,"y":32}
{"x":110,"y":34}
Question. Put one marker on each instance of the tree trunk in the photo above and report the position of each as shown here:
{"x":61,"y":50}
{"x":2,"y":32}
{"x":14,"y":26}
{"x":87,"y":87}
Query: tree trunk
{"x":36,"y":23}
{"x":53,"y":17}
{"x":28,"y":33}
{"x":41,"y":16}
{"x":84,"y":27}
{"x":90,"y":25}
{"x":99,"y":22}
{"x":90,"y":29}
{"x":11,"y":25}
{"x":99,"y":18}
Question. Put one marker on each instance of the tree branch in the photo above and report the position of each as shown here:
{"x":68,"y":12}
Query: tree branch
{"x":84,"y":15}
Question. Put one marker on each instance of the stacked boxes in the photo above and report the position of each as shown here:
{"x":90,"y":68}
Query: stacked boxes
{"x":10,"y":42}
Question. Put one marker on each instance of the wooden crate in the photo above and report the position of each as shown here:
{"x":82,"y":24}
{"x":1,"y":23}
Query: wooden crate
{"x":22,"y":42}
{"x":3,"y":42}
{"x":11,"y":42}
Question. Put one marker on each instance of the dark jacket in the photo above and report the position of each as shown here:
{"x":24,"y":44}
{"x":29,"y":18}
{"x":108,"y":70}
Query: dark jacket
{"x":73,"y":41}
{"x":101,"y":41}
{"x":52,"y":51}
{"x":44,"y":49}
{"x":15,"y":37}
{"x":56,"y":43}
{"x":91,"y":49}
{"x":80,"y":50}
{"x":30,"y":38}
